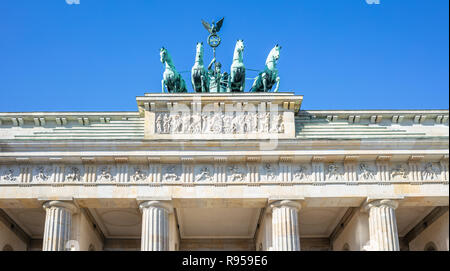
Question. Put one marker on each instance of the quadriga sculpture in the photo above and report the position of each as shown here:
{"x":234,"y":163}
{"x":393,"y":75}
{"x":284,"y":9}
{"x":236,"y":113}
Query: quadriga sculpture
{"x":172,"y":80}
{"x":267,"y":78}
{"x":199,"y":76}
{"x":237,"y":75}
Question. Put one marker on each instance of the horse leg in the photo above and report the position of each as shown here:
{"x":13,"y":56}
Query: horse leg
{"x":264,"y":81}
{"x":243,"y":82}
{"x":278,"y":84}
{"x":162,"y":84}
{"x":176,"y":85}
{"x":192,"y":81}
{"x":202,"y":79}
{"x":183,"y":86}
{"x":231,"y":81}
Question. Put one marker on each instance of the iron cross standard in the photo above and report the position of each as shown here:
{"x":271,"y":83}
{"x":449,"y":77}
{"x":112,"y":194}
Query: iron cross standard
{"x":213,"y":38}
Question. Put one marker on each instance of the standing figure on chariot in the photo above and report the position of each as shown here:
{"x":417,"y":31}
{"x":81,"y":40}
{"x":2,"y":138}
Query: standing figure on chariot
{"x":215,"y":76}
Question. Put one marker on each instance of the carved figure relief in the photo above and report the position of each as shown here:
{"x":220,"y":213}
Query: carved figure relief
{"x":166,"y":124}
{"x":73,"y":174}
{"x":430,"y":171}
{"x":365,"y":172}
{"x":43,"y":174}
{"x":186,"y":122}
{"x":159,"y":124}
{"x":105,"y":174}
{"x":204,"y":174}
{"x":300,"y":174}
{"x":270,"y":172}
{"x":399,"y":171}
{"x":264,"y":119}
{"x":334,"y":172}
{"x":196,"y":125}
{"x":235,"y":174}
{"x":138,"y":175}
{"x":9,"y":176}
{"x":171,"y":174}
{"x":280,"y":124}
{"x":274,"y":124}
{"x":219,"y":123}
{"x":176,"y":124}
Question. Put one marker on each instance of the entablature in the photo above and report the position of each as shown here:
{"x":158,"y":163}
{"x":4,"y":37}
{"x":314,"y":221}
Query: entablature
{"x":379,"y":116}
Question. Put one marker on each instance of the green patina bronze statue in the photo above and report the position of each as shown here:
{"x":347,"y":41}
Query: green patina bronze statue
{"x":237,"y":75}
{"x":215,"y":76}
{"x":199,"y":77}
{"x":213,"y":28}
{"x":267,"y":78}
{"x":212,"y":79}
{"x":172,"y":80}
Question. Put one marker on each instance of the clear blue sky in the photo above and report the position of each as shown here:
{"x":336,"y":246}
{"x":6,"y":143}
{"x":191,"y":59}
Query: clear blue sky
{"x":100,"y":54}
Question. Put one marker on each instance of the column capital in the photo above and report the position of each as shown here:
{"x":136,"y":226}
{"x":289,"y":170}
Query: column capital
{"x":393,"y":203}
{"x":61,"y":204}
{"x":286,"y":203}
{"x":166,"y":205}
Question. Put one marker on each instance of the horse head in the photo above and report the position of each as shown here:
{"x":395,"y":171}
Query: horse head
{"x":163,"y":54}
{"x":239,"y":45}
{"x":238,"y":49}
{"x":199,"y":51}
{"x":274,"y":54}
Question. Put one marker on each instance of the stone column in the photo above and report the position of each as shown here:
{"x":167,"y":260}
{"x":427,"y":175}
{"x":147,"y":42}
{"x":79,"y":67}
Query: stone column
{"x":58,"y":224}
{"x":382,"y":225}
{"x":155,"y":225}
{"x":285,"y":233}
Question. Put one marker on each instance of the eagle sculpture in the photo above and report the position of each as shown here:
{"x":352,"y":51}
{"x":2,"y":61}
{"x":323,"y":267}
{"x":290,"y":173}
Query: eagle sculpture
{"x":214,"y":27}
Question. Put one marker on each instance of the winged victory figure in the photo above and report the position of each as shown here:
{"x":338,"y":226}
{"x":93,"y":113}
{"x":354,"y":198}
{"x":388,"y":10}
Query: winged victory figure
{"x":213,"y":27}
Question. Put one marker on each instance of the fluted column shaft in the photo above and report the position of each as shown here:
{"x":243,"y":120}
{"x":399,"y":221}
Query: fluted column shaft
{"x":383,"y":225}
{"x":58,"y":224}
{"x":285,"y":232}
{"x":155,"y":225}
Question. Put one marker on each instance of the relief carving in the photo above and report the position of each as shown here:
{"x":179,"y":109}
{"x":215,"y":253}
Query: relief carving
{"x":270,"y":172}
{"x":138,"y":175}
{"x":365,"y":172}
{"x":399,"y":171}
{"x":280,"y":124}
{"x":301,"y":174}
{"x":235,"y":174}
{"x":8,"y":175}
{"x":204,"y":174}
{"x":159,"y":124}
{"x":171,"y":174}
{"x":43,"y":174}
{"x":105,"y":174}
{"x":227,"y":123}
{"x":264,"y":119}
{"x":196,"y":125}
{"x":219,"y":123}
{"x":334,"y":172}
{"x":430,"y":171}
{"x":73,"y":175}
{"x":186,"y":123}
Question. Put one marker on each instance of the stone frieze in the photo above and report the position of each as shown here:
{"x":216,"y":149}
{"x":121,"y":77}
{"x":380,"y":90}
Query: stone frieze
{"x":232,"y":173}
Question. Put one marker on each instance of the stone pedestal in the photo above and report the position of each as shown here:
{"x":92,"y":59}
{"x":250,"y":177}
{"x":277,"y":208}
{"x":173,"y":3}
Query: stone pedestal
{"x":382,"y":225}
{"x":155,"y":225}
{"x":58,"y":224}
{"x":285,"y":232}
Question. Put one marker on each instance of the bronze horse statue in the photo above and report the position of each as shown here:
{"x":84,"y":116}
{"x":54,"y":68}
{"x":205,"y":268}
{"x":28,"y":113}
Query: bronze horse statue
{"x":267,"y":78}
{"x":172,"y":80}
{"x":199,"y":76}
